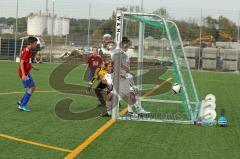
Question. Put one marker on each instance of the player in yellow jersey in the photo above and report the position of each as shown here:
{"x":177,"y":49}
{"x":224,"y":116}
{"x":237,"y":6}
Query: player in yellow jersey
{"x":99,"y":75}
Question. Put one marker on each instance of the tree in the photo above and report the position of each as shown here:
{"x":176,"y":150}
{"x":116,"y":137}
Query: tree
{"x":210,"y":22}
{"x":162,"y":12}
{"x":221,"y":24}
{"x":226,"y":23}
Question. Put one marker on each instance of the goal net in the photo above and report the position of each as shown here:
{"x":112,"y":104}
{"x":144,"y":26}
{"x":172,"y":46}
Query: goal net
{"x":157,"y":61}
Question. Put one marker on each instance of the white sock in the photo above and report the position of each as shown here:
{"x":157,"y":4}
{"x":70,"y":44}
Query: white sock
{"x":130,"y":108}
{"x":138,"y":100}
{"x":109,"y":112}
{"x":109,"y":107}
{"x":138,"y":107}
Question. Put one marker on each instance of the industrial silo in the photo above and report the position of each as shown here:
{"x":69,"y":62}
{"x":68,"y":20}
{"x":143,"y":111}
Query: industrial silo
{"x":45,"y":23}
{"x":57,"y":26}
{"x":50,"y":24}
{"x":65,"y":26}
{"x":37,"y":24}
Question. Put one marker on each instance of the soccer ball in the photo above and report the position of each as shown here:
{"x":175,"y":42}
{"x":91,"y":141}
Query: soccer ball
{"x":208,"y":104}
{"x":210,"y":97}
{"x":207,"y":110}
{"x":209,"y":114}
{"x":176,"y":88}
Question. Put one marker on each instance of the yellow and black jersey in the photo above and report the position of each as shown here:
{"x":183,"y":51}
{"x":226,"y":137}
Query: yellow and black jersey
{"x":102,"y":73}
{"x":99,"y":74}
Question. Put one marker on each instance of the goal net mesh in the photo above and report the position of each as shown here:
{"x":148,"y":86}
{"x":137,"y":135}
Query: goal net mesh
{"x":157,"y":63}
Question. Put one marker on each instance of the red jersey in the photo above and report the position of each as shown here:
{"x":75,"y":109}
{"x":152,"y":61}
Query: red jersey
{"x":94,"y":61}
{"x":26,"y":56}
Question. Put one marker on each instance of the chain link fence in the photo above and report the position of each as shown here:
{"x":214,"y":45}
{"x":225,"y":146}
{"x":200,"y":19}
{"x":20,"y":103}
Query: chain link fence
{"x":211,"y":37}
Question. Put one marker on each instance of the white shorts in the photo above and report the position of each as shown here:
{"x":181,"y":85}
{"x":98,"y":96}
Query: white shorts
{"x":126,"y":86}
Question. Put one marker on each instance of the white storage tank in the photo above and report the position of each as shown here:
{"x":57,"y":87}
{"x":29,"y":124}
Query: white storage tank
{"x":37,"y":24}
{"x":50,"y":28}
{"x":56,"y":26}
{"x":42,"y":23}
{"x":65,"y":26}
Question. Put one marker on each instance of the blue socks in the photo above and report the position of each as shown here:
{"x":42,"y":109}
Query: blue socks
{"x":25,"y":98}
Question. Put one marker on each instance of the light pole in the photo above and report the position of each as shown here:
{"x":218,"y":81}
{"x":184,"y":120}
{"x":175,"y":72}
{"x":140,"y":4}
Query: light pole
{"x":140,"y":51}
{"x":238,"y":42}
{"x":89,"y":23}
{"x":141,"y":5}
{"x":47,"y":10}
{"x":16,"y":32}
{"x":200,"y":41}
{"x":52,"y":31}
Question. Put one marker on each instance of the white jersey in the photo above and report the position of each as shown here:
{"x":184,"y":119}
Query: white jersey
{"x":108,"y":78}
{"x":125,"y":62}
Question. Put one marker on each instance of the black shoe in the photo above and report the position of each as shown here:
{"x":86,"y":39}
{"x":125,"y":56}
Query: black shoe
{"x":105,"y":114}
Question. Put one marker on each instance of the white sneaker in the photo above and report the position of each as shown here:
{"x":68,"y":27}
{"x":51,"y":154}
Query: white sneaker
{"x":142,"y":111}
{"x":131,"y":114}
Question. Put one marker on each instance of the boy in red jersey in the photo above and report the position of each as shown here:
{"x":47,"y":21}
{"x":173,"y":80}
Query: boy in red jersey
{"x":94,"y":61}
{"x":24,"y":73}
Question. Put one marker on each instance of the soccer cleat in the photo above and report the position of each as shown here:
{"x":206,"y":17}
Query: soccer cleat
{"x":142,"y":111}
{"x":19,"y":108}
{"x":25,"y":109}
{"x":105,"y":114}
{"x":131,"y":114}
{"x":19,"y":105}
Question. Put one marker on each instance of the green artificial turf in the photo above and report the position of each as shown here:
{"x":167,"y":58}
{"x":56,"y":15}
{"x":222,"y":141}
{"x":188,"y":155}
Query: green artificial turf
{"x":125,"y":139}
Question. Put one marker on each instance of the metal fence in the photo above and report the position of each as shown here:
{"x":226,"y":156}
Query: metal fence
{"x":90,"y":20}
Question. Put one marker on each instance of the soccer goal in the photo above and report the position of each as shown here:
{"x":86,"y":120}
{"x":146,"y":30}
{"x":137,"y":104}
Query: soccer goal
{"x":158,"y":61}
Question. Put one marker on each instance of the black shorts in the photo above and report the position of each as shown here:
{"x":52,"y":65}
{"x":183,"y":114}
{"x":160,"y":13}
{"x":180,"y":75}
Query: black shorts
{"x":103,"y":86}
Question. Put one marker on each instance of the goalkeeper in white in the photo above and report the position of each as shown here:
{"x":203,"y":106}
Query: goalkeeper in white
{"x":127,"y":89}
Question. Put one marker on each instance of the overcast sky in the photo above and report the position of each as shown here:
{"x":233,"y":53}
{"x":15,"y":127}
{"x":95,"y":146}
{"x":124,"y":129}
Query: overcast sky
{"x":102,"y":9}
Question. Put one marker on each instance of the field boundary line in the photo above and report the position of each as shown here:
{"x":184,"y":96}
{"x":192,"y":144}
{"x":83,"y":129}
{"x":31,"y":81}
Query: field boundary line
{"x":46,"y":91}
{"x":102,"y":129}
{"x":34,"y":143}
{"x":220,"y":81}
{"x":90,"y":139}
